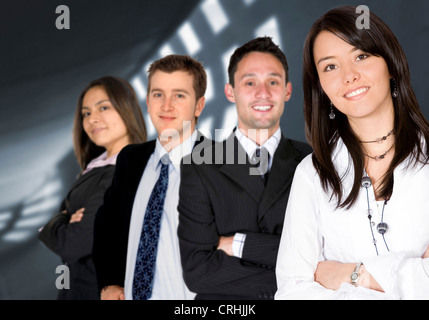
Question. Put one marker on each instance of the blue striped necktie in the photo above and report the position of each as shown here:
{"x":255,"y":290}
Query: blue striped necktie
{"x":146,"y":255}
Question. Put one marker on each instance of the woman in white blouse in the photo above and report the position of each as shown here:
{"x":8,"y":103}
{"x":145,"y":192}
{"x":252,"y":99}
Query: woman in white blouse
{"x":357,"y":221}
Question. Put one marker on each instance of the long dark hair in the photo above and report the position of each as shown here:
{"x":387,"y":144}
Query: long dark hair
{"x":123,"y":98}
{"x":323,"y":134}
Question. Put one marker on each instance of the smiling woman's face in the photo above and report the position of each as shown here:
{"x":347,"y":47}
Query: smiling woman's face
{"x":102,"y":123}
{"x":356,"y":82}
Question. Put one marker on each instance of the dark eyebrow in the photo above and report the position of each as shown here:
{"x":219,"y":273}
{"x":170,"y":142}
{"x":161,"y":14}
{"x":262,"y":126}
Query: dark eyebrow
{"x":332,"y":57}
{"x":155,"y":89}
{"x":275,"y":74}
{"x":98,"y":103}
{"x":324,"y":58}
{"x":181,"y":90}
{"x":174,"y":90}
{"x":102,"y":101}
{"x":272,"y":74}
{"x":247,"y":75}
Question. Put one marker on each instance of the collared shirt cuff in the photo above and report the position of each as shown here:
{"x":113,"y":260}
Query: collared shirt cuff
{"x":238,"y":244}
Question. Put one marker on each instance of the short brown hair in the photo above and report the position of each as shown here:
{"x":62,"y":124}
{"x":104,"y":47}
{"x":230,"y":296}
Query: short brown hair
{"x":124,"y":100}
{"x":261,"y":44}
{"x":176,"y":62}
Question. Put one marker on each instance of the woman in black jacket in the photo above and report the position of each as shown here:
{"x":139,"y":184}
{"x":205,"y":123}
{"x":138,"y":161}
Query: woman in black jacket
{"x":108,"y":117}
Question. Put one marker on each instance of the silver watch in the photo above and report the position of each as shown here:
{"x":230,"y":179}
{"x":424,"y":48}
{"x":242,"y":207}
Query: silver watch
{"x":355,"y":274}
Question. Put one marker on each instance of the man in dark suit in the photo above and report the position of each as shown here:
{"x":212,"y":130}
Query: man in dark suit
{"x":125,"y":224}
{"x":231,"y":216}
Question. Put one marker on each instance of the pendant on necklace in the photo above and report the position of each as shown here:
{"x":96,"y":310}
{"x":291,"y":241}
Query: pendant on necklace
{"x":380,"y":157}
{"x":379,"y":140}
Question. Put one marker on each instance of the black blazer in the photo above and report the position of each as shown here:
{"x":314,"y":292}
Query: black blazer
{"x":73,"y":242}
{"x":221,"y":199}
{"x":112,"y":221}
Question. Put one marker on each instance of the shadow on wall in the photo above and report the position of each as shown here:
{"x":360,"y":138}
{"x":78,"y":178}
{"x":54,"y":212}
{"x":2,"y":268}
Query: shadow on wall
{"x":27,"y":270}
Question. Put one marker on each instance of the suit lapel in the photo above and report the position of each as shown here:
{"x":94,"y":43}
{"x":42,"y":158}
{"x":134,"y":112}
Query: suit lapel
{"x":82,"y":178}
{"x":281,"y":174}
{"x":236,"y":166}
{"x":139,"y":163}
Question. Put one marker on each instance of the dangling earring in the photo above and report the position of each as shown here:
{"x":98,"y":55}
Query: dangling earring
{"x":395,"y":92}
{"x":332,"y":114}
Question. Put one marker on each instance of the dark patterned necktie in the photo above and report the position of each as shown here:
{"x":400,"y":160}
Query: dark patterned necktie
{"x":148,"y":245}
{"x":260,"y":159}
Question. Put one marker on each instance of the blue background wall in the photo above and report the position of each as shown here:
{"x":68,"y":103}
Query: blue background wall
{"x":43,"y":70}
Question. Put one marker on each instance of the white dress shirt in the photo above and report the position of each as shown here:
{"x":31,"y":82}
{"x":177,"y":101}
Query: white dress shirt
{"x":316,"y":230}
{"x":250,"y":147}
{"x":168,"y":279}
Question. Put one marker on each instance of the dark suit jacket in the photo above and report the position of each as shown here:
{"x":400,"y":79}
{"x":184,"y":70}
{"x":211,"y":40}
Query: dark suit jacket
{"x":73,"y":242}
{"x":112,"y":222}
{"x":223,"y":199}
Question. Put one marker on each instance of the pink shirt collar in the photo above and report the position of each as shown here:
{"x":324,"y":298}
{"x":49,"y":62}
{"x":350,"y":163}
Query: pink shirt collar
{"x":100,"y":161}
